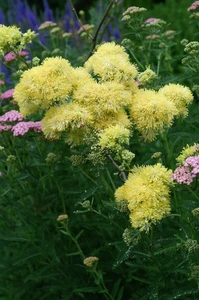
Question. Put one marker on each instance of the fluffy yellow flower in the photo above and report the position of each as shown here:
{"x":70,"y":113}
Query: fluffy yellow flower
{"x":151,"y":113}
{"x":147,"y":77}
{"x":180,"y":95}
{"x":13,"y":39}
{"x":81,"y":77}
{"x":111,"y":63}
{"x":147,"y":194}
{"x":105,"y":120}
{"x":102,"y":98}
{"x":44,"y":85}
{"x":114,"y":137}
{"x":66,"y":118}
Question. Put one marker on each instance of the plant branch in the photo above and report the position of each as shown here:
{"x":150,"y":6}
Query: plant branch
{"x":117,"y":167}
{"x":80,"y":23}
{"x":94,"y":39}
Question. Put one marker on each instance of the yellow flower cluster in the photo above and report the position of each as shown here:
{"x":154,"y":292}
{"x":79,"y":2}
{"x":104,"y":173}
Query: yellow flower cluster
{"x":147,"y":77}
{"x":44,"y":85}
{"x":114,"y":137}
{"x":147,"y":194}
{"x":111,"y":63}
{"x":151,"y":113}
{"x":180,"y":95}
{"x":101,"y":94}
{"x":12,"y":39}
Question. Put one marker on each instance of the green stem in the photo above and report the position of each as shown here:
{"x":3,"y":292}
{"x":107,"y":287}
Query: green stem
{"x":95,"y":273}
{"x":192,"y":192}
{"x":137,"y":61}
{"x":82,"y":26}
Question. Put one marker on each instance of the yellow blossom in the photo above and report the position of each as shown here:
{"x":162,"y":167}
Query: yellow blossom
{"x":66,"y":119}
{"x":180,"y":95}
{"x":111,"y":63}
{"x":147,"y":77}
{"x":151,"y":113}
{"x":81,"y":78}
{"x":12,"y":39}
{"x":105,"y":120}
{"x":114,"y":137}
{"x":147,"y":194}
{"x":44,"y":85}
{"x":102,"y":98}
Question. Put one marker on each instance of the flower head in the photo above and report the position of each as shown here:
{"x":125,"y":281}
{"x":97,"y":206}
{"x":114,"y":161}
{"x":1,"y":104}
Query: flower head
{"x":180,"y":95}
{"x":44,"y":85}
{"x":12,"y":56}
{"x":110,"y":62}
{"x":147,"y":194}
{"x":90,"y":261}
{"x":47,"y":25}
{"x":13,"y":39}
{"x":186,"y":152}
{"x":62,"y":218}
{"x":11,"y":116}
{"x":151,"y":20}
{"x":182,"y":175}
{"x":114,"y":137}
{"x":7,"y":94}
{"x":22,"y":128}
{"x":193,"y":6}
{"x":147,"y":77}
{"x":151,"y":113}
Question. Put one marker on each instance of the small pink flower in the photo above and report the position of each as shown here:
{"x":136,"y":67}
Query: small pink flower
{"x":193,"y":163}
{"x":182,"y":175}
{"x":193,"y":6}
{"x":8,"y":94}
{"x":2,"y":82}
{"x":9,"y":57}
{"x":46,"y":24}
{"x":11,"y":116}
{"x":12,"y":56}
{"x":5,"y":127}
{"x":23,"y":53}
{"x":150,"y":20}
{"x":23,"y":127}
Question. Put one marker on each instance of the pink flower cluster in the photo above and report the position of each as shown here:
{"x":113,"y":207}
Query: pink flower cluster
{"x":5,"y":127}
{"x":11,"y":55}
{"x":151,"y":20}
{"x":8,"y":94}
{"x":188,"y":171}
{"x":11,"y":116}
{"x":193,"y":6}
{"x":21,"y":127}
